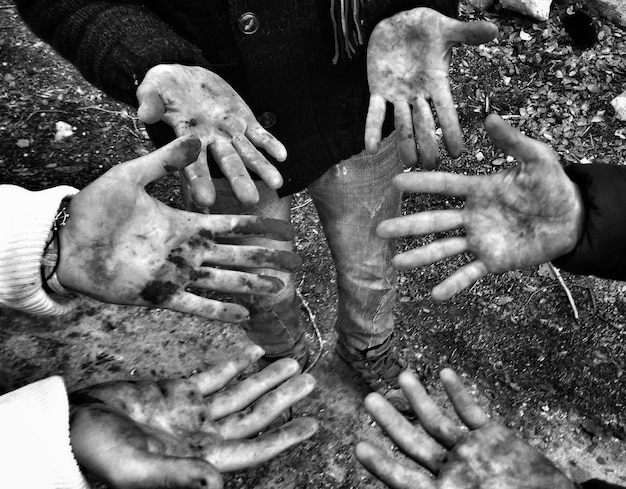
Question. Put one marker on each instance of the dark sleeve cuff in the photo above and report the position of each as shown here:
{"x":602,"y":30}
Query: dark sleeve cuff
{"x":386,"y":8}
{"x":597,"y":484}
{"x":601,"y":250}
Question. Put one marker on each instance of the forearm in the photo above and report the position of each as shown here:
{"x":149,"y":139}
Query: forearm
{"x":35,"y":443}
{"x":112,"y":44}
{"x":601,"y":250}
{"x":26,"y":224}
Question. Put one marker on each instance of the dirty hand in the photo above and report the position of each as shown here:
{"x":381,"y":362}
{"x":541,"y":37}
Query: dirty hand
{"x":488,"y":456}
{"x":182,"y":433}
{"x":122,"y":246}
{"x":408,"y":57}
{"x":193,"y":100}
{"x":519,"y":217}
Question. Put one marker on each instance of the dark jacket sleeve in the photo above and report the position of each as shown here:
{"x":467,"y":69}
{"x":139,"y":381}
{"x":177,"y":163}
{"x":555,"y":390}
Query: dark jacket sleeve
{"x":379,"y":10}
{"x":601,"y":250}
{"x":598,"y":484}
{"x":106,"y":40}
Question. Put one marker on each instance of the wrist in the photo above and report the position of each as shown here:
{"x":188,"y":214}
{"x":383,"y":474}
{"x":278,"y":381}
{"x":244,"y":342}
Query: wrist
{"x":52,"y":252}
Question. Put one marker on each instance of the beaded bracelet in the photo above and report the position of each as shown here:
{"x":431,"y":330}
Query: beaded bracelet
{"x":50,"y":258}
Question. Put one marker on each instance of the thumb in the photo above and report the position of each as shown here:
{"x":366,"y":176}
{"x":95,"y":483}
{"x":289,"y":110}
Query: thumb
{"x":171,"y":157}
{"x":513,"y":142}
{"x":161,"y":471}
{"x":472,"y":33}
{"x":151,"y":107}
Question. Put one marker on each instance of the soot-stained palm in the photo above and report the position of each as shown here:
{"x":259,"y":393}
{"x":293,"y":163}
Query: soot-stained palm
{"x":408,"y":58}
{"x":183,"y":433}
{"x":121,"y":245}
{"x":481,"y":455}
{"x":519,"y":217}
{"x":194,"y":100}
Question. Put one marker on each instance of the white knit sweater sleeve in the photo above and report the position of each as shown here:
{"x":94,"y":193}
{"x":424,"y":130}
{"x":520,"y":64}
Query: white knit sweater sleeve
{"x":35,"y":450}
{"x":25,"y":221}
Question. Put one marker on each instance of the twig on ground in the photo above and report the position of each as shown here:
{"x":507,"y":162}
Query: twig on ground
{"x":121,"y":113}
{"x":318,"y":333}
{"x":300,"y":206}
{"x":568,"y":293}
{"x":41,"y":111}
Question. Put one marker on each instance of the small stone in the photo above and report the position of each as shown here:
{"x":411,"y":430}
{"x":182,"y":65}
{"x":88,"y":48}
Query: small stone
{"x":619,"y":104}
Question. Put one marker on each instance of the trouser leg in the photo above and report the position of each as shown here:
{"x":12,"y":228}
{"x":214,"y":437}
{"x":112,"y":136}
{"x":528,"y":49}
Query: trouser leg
{"x":352,"y":198}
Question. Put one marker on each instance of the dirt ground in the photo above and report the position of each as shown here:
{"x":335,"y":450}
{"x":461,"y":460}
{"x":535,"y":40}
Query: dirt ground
{"x":556,"y":379}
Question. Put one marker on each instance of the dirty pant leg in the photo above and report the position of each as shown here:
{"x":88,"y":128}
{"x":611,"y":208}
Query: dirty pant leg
{"x":274,"y":322}
{"x":352,"y":198}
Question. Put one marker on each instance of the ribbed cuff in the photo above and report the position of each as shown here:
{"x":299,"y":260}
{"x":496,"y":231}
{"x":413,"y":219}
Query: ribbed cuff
{"x":25,"y":224}
{"x":35,"y":450}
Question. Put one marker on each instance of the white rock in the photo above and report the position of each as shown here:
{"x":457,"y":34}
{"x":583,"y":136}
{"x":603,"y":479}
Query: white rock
{"x":619,"y":104}
{"x":63,"y":130}
{"x":537,"y":9}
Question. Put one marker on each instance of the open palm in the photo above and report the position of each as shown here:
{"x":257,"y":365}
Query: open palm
{"x":523,"y":216}
{"x":121,"y":245}
{"x":408,"y":57}
{"x":182,"y":433}
{"x":194,"y":100}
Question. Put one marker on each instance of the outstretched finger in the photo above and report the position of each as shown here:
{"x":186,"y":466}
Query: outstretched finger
{"x":265,"y":140}
{"x":424,"y":126}
{"x":410,"y":439}
{"x":188,"y":303}
{"x":241,"y":454}
{"x":216,"y":377}
{"x":406,"y":138}
{"x":213,"y":226}
{"x":229,"y":281}
{"x":448,"y":119}
{"x":257,"y":163}
{"x":514,"y":143}
{"x":148,"y":168}
{"x":390,"y":470}
{"x":434,"y":421}
{"x":151,"y":107}
{"x":472,"y":33}
{"x":241,"y":395}
{"x":435,"y":183}
{"x":250,"y":257}
{"x":374,"y":123}
{"x":234,"y":170}
{"x":267,"y":409}
{"x":421,"y":223}
{"x":198,"y":179}
{"x":430,"y":253}
{"x":464,"y":404}
{"x":462,"y":278}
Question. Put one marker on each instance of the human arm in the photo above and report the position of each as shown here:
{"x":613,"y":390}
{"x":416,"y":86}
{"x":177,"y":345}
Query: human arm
{"x":173,"y":433}
{"x":35,"y":443}
{"x":408,"y":58}
{"x":485,"y":455}
{"x":121,"y":245}
{"x":519,"y":217}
